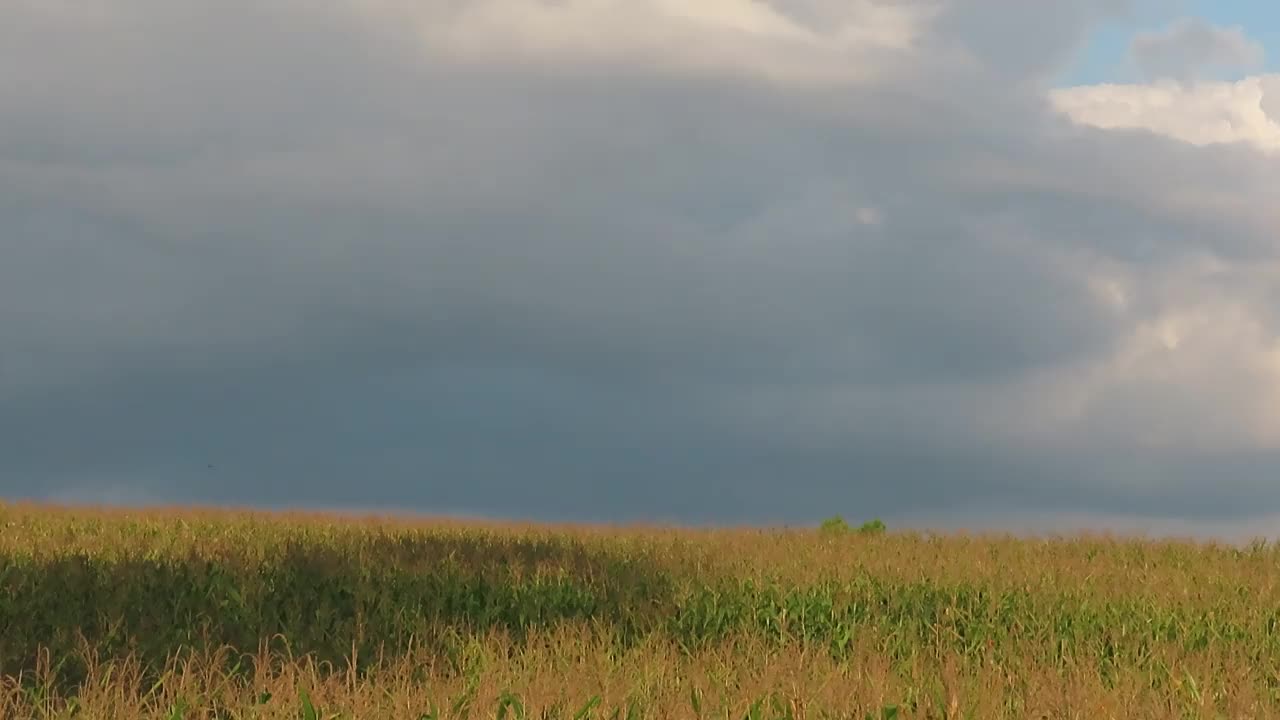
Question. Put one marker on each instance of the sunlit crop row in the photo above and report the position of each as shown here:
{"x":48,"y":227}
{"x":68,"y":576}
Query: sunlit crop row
{"x":203,"y":614}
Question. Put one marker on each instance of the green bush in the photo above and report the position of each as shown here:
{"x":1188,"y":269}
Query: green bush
{"x":872,"y":527}
{"x":834,"y":525}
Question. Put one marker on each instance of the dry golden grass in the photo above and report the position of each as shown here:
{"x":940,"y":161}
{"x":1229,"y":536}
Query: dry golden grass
{"x":641,"y":621}
{"x":564,"y":671}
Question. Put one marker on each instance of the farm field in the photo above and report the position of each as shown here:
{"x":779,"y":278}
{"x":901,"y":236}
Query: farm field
{"x":186,"y":613}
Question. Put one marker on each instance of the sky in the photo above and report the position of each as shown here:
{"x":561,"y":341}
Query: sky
{"x":984,"y":264}
{"x":1106,"y":55}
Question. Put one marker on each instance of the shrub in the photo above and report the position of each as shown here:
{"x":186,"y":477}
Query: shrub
{"x":872,"y":527}
{"x":834,"y":525}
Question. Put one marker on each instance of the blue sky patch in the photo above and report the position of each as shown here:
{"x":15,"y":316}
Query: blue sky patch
{"x":1106,"y":56}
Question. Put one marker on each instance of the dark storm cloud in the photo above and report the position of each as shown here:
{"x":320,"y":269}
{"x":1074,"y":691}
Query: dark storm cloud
{"x":347,"y":266}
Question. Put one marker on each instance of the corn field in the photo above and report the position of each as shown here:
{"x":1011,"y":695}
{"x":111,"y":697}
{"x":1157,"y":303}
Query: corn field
{"x":216,"y":614}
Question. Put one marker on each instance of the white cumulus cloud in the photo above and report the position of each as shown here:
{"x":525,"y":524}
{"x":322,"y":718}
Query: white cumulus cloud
{"x":1203,"y":113}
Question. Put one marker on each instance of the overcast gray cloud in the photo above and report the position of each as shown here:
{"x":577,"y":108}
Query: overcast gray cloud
{"x":724,"y":261}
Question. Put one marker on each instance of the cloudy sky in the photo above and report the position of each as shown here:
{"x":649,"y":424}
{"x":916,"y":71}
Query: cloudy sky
{"x":982,"y":263}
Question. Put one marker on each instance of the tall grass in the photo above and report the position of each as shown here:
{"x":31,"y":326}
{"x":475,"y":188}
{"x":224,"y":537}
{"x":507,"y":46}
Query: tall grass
{"x":206,"y":614}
